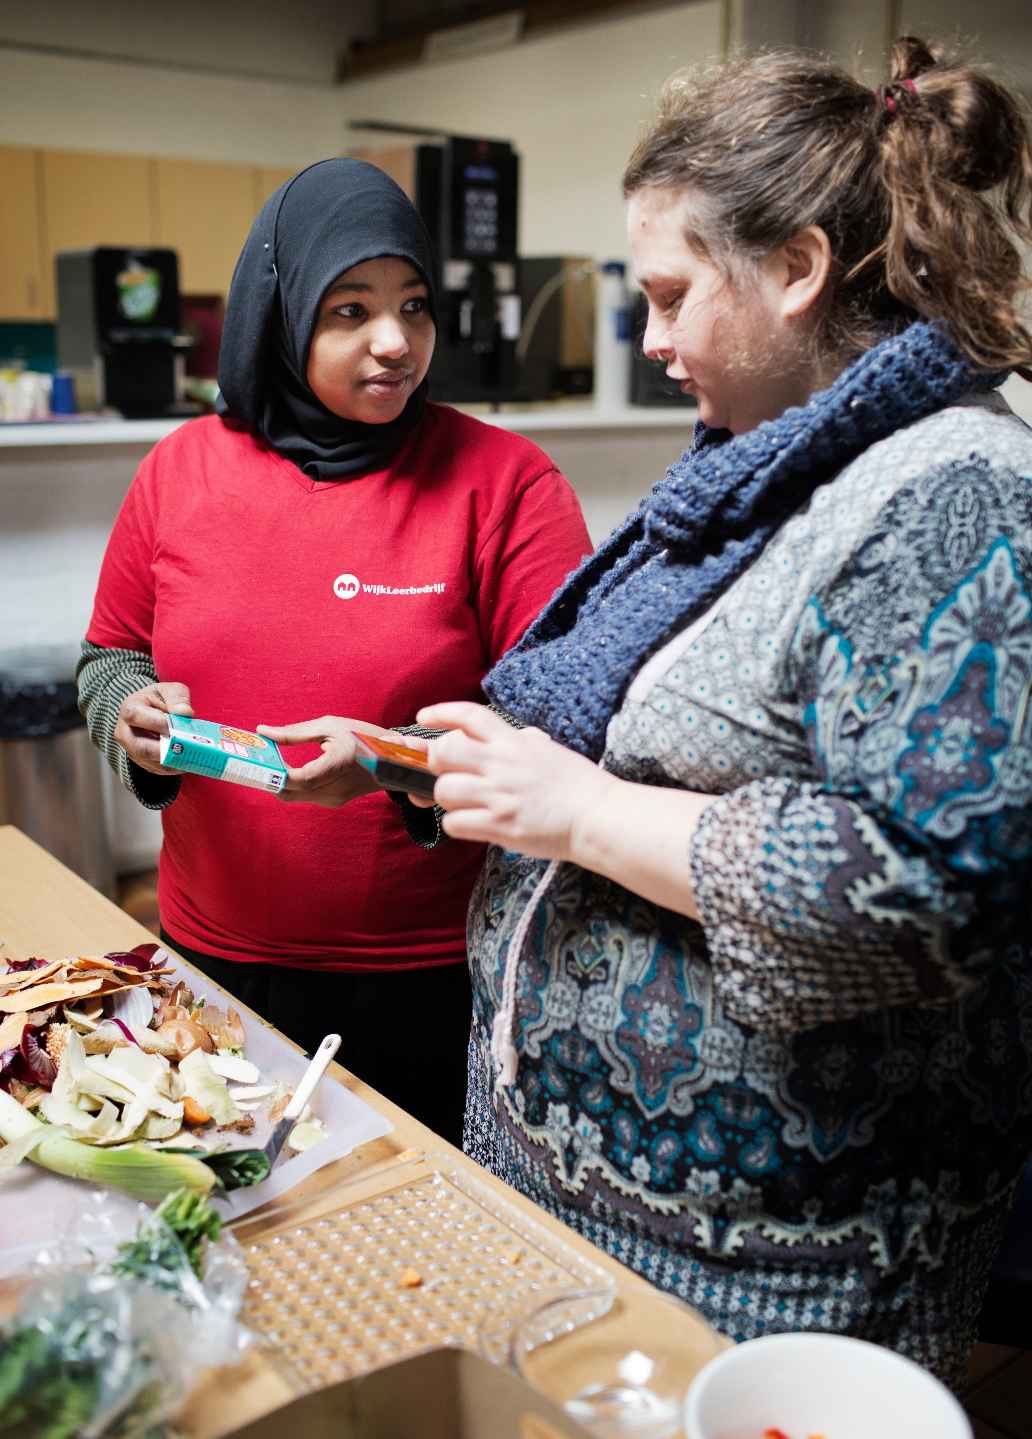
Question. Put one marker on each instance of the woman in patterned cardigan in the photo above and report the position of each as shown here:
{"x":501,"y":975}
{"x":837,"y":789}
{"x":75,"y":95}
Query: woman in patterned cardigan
{"x":753,"y":1000}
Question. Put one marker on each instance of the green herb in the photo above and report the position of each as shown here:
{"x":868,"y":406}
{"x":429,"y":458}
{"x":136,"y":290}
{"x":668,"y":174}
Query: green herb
{"x":181,"y":1225}
{"x":47,"y":1390}
{"x":70,"y":1360}
{"x":72,"y":1364}
{"x":233,"y":1168}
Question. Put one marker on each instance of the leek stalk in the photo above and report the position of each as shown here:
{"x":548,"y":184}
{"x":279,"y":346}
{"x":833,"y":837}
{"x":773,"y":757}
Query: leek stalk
{"x":147,"y":1174}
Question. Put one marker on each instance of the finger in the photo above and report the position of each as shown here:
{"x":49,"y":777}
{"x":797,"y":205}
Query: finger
{"x":140,"y":714}
{"x":322,"y":770}
{"x":287,"y":795}
{"x":461,"y":790}
{"x":173,"y":697}
{"x":475,"y":720}
{"x":313,"y":731}
{"x":144,"y":751}
{"x":475,"y":825}
{"x":457,"y":751}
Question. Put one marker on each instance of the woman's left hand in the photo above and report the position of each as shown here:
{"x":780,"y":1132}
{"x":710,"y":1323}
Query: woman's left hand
{"x":334,"y":777}
{"x":515,"y":788}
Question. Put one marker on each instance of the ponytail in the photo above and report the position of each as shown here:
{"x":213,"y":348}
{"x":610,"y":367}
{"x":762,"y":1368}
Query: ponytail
{"x":957,"y":165}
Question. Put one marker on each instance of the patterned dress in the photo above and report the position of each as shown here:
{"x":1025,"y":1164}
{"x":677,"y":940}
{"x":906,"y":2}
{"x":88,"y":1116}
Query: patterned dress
{"x":808,"y":1111}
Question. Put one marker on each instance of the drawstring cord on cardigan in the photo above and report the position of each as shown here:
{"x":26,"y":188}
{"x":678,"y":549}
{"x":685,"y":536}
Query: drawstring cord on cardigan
{"x":503,"y":1043}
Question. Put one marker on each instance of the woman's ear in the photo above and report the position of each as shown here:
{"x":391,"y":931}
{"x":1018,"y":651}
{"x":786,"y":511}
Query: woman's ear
{"x":805,"y":262}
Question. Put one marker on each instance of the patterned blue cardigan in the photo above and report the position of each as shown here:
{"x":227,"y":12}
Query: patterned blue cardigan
{"x":809,"y":1110}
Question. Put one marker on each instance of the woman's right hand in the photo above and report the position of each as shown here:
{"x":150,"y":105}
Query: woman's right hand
{"x":142,"y":719}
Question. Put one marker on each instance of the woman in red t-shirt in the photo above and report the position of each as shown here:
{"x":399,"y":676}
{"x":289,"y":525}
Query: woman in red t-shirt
{"x":328,"y":543}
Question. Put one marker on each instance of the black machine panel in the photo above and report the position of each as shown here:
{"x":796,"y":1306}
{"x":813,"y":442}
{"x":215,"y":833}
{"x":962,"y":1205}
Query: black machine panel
{"x":467,"y":191}
{"x":481,"y":180}
{"x":117,"y":324}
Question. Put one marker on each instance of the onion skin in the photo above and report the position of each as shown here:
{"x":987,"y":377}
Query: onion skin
{"x":187,"y":1035}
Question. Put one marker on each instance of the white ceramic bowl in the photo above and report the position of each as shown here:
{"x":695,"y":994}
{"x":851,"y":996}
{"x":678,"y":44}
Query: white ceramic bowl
{"x":819,"y":1384}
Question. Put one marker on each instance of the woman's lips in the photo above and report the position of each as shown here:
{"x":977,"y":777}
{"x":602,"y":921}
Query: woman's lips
{"x":683,"y":382}
{"x":387,"y":383}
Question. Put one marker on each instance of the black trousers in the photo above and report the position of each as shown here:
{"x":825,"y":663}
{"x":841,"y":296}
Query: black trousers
{"x":405,"y":1032}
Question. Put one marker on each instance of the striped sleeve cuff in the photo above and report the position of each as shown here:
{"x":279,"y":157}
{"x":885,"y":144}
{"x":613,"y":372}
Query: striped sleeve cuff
{"x":105,"y":678}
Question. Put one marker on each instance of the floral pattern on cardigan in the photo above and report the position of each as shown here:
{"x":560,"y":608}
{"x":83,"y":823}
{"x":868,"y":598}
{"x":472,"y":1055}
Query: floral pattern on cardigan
{"x":833,"y":1072}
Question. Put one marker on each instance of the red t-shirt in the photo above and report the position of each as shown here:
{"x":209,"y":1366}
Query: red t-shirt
{"x":277,"y":599}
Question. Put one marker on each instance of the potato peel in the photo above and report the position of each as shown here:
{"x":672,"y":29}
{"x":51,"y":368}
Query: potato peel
{"x":40,"y":994}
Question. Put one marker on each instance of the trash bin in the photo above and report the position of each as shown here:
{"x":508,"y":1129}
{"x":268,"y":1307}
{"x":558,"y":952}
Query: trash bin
{"x":51,"y":783}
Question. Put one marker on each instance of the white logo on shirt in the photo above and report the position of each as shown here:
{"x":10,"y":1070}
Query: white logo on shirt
{"x":347,"y":586}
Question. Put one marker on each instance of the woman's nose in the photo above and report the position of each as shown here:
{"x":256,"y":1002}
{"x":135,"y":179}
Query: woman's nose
{"x":388,"y":337}
{"x":655,"y":342}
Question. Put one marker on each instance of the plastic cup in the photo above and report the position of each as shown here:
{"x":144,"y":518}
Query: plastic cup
{"x":819,"y":1384}
{"x":616,"y":1383}
{"x":62,"y":394}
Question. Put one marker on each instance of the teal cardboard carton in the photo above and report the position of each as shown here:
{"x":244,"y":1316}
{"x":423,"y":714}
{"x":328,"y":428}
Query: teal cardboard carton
{"x":221,"y":751}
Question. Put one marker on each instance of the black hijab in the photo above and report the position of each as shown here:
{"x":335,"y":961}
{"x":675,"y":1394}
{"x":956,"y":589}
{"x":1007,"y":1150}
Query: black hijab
{"x":332,"y":216}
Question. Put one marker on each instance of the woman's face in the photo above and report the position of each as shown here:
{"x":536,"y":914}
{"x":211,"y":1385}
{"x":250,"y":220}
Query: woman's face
{"x":373,"y":340}
{"x":728,"y":345}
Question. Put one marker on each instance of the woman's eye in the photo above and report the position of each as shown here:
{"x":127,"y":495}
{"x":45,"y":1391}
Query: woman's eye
{"x":352,"y":311}
{"x":416,"y":306}
{"x":666,"y":304}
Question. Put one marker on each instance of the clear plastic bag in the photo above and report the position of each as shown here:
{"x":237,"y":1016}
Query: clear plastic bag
{"x":115,"y":1329}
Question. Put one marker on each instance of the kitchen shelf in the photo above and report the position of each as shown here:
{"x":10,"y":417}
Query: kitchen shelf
{"x":538,"y":421}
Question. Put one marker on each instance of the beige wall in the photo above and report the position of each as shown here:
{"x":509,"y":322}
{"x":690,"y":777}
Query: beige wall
{"x":998,"y":32}
{"x":574,"y":104}
{"x":52,"y":101}
{"x":290,"y":39}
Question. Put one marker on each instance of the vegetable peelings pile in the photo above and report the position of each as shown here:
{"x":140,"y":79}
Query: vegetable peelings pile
{"x":112,"y":1072}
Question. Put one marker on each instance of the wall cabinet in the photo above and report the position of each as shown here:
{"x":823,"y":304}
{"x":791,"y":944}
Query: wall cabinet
{"x":21,"y":250}
{"x":267,"y":180}
{"x":93,"y":199}
{"x":53,"y":200}
{"x":203,"y":211}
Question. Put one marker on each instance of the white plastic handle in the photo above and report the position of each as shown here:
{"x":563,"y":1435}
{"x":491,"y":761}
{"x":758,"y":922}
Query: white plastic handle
{"x":312,"y":1075}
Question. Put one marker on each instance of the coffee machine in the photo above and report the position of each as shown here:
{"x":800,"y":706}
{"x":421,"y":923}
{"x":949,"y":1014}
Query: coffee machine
{"x":118,"y":329}
{"x":467,"y":191}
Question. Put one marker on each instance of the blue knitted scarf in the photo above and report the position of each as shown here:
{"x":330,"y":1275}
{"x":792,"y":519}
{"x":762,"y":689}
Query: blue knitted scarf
{"x":702,"y":526}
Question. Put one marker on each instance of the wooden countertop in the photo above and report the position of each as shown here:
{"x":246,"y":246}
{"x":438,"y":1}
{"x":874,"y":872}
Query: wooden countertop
{"x":47,"y":910}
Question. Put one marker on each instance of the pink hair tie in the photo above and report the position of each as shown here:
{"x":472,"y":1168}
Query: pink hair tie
{"x":888,"y":99}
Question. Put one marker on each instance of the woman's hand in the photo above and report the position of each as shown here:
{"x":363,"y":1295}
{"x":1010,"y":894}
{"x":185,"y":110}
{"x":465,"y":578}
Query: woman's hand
{"x":515,"y":788}
{"x":142,"y":719}
{"x":519,"y":789}
{"x":333,"y":778}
